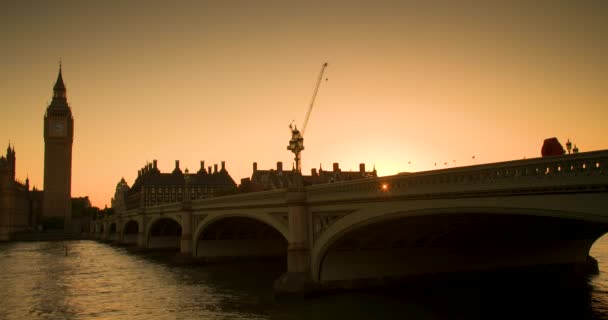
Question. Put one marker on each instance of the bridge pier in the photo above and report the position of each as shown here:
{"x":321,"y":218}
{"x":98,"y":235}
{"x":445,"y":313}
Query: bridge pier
{"x":186,"y":239}
{"x":141,"y":239}
{"x":119,"y":234}
{"x":298,"y":278}
{"x":142,"y":227}
{"x":105,"y":231}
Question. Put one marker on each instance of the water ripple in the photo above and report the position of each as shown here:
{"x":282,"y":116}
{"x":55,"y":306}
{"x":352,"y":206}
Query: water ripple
{"x":97,"y":281}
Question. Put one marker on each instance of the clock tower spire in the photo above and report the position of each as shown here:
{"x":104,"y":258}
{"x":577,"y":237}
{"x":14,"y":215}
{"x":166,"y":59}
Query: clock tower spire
{"x":59,"y":88}
{"x":58,"y":138}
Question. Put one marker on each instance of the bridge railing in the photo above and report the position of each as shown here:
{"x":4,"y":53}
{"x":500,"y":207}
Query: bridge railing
{"x":588,"y":169}
{"x":163,"y":208}
{"x":253,"y":199}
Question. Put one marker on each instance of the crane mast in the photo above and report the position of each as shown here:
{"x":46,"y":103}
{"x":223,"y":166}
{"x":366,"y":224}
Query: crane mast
{"x":296,"y":144}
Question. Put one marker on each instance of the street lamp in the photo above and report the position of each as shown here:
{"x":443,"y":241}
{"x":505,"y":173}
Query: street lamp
{"x":296,"y":145}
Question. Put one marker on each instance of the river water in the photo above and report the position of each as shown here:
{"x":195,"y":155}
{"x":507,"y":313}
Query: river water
{"x":97,"y":281}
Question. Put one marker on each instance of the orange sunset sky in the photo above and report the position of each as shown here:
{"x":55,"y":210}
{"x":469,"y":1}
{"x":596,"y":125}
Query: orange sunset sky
{"x":422,"y":82}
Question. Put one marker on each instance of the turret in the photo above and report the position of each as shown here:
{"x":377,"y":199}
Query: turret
{"x":11,"y":161}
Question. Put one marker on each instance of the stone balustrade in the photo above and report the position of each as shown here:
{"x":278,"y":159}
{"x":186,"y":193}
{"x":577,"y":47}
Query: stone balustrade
{"x":519,"y":175}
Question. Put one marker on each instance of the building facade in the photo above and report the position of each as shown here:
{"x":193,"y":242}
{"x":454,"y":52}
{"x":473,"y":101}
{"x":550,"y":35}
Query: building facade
{"x":58,"y":138}
{"x":19,"y":206}
{"x":262,"y":180}
{"x":152,"y":187}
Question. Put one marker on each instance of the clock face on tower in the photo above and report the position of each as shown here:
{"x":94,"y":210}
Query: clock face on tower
{"x":57,"y":128}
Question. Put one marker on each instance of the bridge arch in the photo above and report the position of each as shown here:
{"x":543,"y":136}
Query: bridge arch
{"x":230,"y":236}
{"x":112,"y":231}
{"x":164,"y":232}
{"x":130,"y":232}
{"x":130,"y":226}
{"x":419,"y":250}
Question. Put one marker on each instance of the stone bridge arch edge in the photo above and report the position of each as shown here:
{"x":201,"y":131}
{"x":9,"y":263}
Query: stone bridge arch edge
{"x":148,"y":225}
{"x":124,"y":222}
{"x":369,"y":216}
{"x":214,"y":217}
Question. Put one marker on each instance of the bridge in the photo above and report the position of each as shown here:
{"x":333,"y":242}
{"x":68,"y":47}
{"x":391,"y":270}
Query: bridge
{"x":534,"y":212}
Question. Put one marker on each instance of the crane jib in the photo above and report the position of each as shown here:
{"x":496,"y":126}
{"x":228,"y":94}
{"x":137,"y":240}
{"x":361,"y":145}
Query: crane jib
{"x":314,"y":96}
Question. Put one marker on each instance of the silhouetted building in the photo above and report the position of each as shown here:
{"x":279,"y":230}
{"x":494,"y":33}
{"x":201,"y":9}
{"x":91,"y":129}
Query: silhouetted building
{"x":151,"y":187}
{"x":82,"y":213}
{"x":279,"y":178}
{"x":19,"y":207}
{"x":552,"y":147}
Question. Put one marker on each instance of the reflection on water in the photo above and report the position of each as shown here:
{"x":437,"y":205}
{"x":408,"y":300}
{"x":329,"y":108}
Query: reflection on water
{"x":97,"y":281}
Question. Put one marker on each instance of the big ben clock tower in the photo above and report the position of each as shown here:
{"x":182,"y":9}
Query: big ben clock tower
{"x":58,"y":137}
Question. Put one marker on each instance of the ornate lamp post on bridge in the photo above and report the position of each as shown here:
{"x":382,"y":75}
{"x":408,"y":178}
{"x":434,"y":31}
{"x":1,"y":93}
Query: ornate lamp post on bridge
{"x":296,"y":145}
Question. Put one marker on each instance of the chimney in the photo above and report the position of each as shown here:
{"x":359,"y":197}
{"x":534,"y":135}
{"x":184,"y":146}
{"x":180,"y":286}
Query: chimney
{"x":313,"y":172}
{"x":223,"y":165}
{"x":255,"y":166}
{"x":336,"y":167}
{"x":176,"y":164}
{"x":280,"y":166}
{"x":362,"y":167}
{"x":215,"y":168}
{"x":155,"y":163}
{"x":202,"y":166}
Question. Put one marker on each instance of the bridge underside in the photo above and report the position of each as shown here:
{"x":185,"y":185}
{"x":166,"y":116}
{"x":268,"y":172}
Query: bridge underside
{"x":131,"y":232}
{"x":456,"y":243}
{"x":165,"y":234}
{"x":237,"y":238}
{"x":112,"y":235}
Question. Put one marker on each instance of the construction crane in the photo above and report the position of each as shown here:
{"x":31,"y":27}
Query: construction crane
{"x":296,"y":144}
